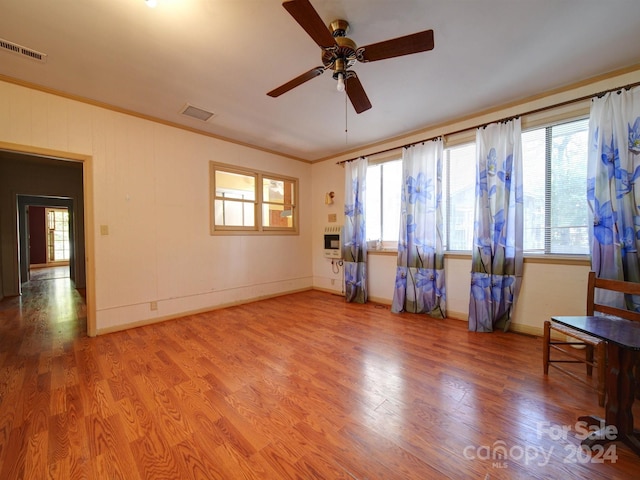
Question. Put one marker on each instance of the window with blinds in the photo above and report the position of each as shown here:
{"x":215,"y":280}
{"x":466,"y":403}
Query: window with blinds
{"x":556,"y":214}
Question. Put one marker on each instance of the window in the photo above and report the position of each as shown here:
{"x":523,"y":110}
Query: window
{"x":246,"y":201}
{"x":556,"y":213}
{"x":58,"y":247}
{"x":384,"y":187}
{"x":458,"y":204}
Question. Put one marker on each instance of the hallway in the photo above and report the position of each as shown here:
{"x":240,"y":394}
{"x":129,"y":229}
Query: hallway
{"x":49,"y":314}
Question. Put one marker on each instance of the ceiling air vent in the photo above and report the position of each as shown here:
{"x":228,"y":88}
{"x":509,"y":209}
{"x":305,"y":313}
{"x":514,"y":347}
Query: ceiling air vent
{"x":195,"y":112}
{"x":24,"y":51}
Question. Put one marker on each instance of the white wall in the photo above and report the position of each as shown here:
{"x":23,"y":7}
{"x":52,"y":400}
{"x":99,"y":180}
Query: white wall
{"x":548,"y":288}
{"x":151,"y":190}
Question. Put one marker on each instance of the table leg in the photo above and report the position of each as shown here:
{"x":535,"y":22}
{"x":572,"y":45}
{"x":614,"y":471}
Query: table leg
{"x":620,"y":388}
{"x":618,"y":421}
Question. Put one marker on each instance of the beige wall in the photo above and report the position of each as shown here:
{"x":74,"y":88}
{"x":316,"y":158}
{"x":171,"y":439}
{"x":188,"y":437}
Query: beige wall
{"x":548,"y":288}
{"x":150,"y":188}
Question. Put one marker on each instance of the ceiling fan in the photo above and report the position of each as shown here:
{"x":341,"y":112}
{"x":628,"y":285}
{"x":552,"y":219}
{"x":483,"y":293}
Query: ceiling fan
{"x":339,"y":53}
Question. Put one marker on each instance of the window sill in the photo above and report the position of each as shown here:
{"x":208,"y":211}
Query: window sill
{"x":559,"y":259}
{"x":254,"y":232}
{"x":383,"y":251}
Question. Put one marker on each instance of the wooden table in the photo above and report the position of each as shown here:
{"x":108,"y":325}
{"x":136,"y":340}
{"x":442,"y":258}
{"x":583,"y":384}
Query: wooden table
{"x":623,"y":343}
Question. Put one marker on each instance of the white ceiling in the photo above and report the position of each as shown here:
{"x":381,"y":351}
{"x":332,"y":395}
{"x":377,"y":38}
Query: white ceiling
{"x":225,"y":55}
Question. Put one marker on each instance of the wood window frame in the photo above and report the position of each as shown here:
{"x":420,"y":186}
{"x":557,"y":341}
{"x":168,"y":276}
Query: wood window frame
{"x":260,"y":227}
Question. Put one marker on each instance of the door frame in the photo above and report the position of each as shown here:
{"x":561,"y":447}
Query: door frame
{"x":88,"y":202}
{"x":23,"y":204}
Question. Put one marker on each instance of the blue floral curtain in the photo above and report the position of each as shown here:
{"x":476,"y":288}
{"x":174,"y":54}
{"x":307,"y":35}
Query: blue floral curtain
{"x":355,"y":238}
{"x":420,"y":285}
{"x":612,"y":188}
{"x":496,"y":271}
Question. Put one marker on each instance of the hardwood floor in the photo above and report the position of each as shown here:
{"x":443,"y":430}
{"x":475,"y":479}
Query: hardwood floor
{"x":302,"y":386}
{"x":48,"y":273}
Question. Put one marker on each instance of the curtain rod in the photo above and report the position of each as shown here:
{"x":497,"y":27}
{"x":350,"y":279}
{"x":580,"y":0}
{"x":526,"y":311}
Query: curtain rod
{"x":530,"y":112}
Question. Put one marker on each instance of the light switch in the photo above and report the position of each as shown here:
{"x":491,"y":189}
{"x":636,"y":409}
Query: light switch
{"x":104,"y":229}
{"x":332,"y":218}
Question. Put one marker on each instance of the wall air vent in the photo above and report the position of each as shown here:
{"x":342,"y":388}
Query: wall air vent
{"x":195,"y":112}
{"x":24,"y":51}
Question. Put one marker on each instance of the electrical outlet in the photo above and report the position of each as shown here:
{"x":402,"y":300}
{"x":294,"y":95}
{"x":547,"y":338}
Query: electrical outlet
{"x":153,"y":305}
{"x":333,"y":281}
{"x":333,"y":218}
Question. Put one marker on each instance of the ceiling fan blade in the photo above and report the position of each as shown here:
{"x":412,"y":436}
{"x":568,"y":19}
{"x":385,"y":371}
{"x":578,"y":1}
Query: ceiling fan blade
{"x":304,"y":13}
{"x":356,"y":93}
{"x":299,"y":80}
{"x":396,"y":47}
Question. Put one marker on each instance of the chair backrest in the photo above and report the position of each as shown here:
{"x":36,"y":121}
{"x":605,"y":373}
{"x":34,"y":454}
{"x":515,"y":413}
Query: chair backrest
{"x":631,"y":288}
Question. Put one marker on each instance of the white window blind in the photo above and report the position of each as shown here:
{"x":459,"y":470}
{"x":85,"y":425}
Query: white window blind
{"x":555,"y":185}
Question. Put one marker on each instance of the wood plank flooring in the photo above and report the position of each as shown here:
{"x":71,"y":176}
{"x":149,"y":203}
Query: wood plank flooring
{"x":49,"y":273}
{"x":302,"y":386}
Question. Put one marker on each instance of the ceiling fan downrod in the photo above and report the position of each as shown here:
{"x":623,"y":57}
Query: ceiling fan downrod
{"x":344,"y":50}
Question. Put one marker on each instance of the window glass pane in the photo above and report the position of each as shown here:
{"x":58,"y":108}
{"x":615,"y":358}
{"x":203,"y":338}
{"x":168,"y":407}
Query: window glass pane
{"x":556,"y":215}
{"x":391,"y":200}
{"x":569,"y":219}
{"x":533,"y":175}
{"x":277,"y":215}
{"x":277,"y":191}
{"x":58,"y":246}
{"x":374,"y":205}
{"x":235,"y":185}
{"x":384,"y":190}
{"x":459,"y":196}
{"x":234,"y":213}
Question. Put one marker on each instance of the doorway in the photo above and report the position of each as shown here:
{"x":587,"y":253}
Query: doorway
{"x":56,"y":180}
{"x":49,"y":236}
{"x":57,"y":240}
{"x":48,"y":242}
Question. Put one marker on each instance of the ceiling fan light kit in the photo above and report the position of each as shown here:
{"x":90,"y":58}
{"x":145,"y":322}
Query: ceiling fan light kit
{"x":340,"y":85}
{"x":340,"y":53}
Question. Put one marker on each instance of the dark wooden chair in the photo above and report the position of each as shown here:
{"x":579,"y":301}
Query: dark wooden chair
{"x":594,"y":353}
